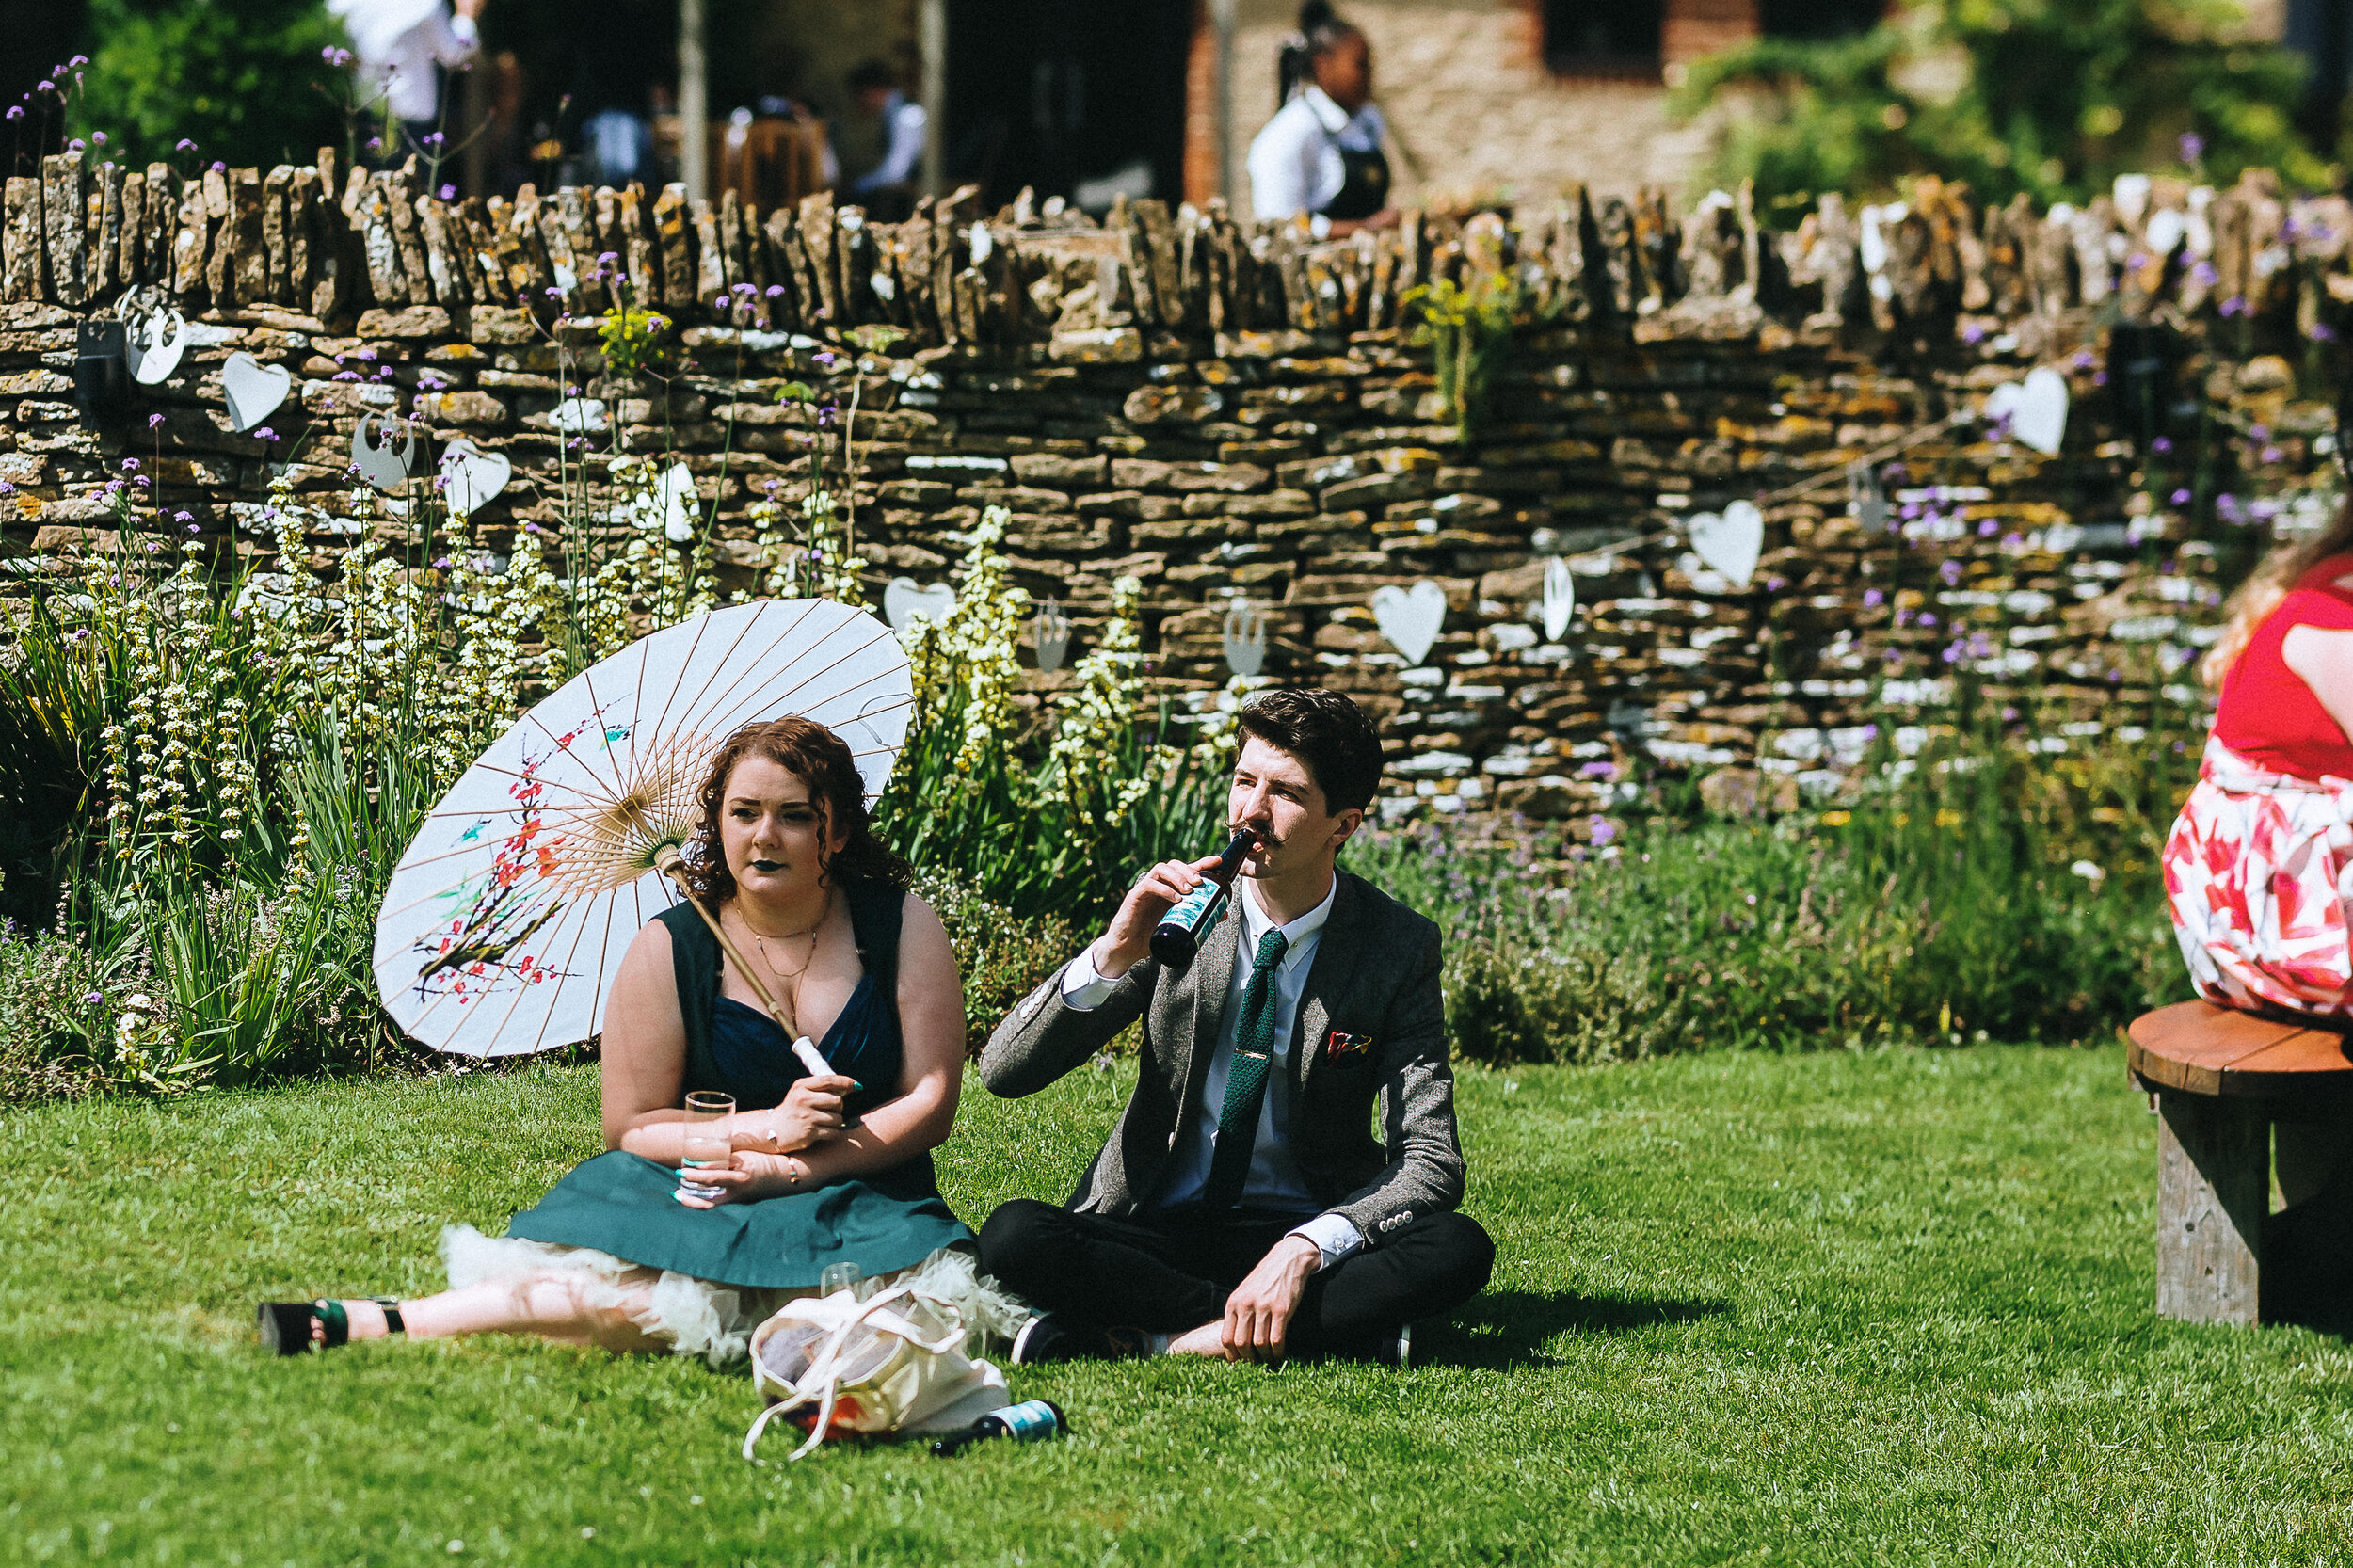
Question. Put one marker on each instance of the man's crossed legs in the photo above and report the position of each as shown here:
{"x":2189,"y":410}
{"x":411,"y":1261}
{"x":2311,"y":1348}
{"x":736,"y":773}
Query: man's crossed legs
{"x":1101,"y":1274}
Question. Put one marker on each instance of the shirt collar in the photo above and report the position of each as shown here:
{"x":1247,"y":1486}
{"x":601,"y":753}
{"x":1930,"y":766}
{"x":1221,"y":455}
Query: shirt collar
{"x":1330,"y":115}
{"x":1257,"y":922}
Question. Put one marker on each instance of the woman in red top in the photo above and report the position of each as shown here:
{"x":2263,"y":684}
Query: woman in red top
{"x":2259,"y":870}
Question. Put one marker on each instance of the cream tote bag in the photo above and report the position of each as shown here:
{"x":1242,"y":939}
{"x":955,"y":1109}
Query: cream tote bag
{"x":894,"y":1362}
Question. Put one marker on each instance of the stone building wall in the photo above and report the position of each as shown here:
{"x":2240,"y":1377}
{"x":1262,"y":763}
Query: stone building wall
{"x":1237,"y":419}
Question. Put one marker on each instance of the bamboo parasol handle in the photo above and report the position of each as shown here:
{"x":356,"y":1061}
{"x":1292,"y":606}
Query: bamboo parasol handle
{"x":670,"y":863}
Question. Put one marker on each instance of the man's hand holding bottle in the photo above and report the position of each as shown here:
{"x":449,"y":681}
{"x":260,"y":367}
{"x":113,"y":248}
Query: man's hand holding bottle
{"x":1138,"y":929}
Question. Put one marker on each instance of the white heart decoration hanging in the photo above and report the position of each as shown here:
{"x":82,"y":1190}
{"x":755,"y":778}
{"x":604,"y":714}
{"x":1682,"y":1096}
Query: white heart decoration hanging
{"x":2036,"y":409}
{"x":380,"y":461}
{"x":906,"y":601}
{"x":1560,"y":599}
{"x":579,"y":416}
{"x":1242,"y":639}
{"x":471,"y":476}
{"x":1410,"y":617}
{"x":253,"y":389}
{"x":1865,"y":501}
{"x":1730,"y":542}
{"x":1050,"y":633}
{"x":156,"y":340}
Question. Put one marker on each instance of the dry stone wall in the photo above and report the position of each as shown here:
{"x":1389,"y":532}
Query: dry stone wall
{"x":1239,"y":418}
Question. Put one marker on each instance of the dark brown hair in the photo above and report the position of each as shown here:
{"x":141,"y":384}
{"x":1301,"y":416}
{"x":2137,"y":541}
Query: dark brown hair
{"x":1327,"y":732}
{"x":1321,"y":30}
{"x":818,"y":758}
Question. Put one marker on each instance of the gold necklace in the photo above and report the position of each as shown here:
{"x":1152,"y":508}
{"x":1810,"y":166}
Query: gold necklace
{"x":760,"y":941}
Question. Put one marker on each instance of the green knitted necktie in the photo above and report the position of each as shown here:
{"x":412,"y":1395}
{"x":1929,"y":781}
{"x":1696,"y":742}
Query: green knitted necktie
{"x":1245,"y":1081}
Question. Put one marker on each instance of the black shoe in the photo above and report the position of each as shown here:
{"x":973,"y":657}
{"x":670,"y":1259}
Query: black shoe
{"x":295,"y":1328}
{"x":1052,"y":1336}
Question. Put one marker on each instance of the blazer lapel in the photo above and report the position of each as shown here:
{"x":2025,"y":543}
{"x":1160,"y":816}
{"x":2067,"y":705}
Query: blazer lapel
{"x":1337,"y":947}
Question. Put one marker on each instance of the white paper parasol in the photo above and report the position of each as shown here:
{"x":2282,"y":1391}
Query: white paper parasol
{"x":506,"y":920}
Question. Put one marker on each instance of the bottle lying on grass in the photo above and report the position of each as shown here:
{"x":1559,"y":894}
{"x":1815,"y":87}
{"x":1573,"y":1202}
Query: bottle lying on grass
{"x":1030,"y":1421}
{"x":1177,"y":937}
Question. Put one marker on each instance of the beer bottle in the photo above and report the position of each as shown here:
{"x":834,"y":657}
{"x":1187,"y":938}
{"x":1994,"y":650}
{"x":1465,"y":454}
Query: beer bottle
{"x":1177,"y":937}
{"x":1030,"y":1421}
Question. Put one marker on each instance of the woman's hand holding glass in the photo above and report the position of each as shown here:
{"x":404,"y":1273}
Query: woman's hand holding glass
{"x":747,"y":1176}
{"x":814,"y":1112}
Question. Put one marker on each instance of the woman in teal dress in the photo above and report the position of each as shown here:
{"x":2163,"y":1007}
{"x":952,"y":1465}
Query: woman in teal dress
{"x":825,"y":1169}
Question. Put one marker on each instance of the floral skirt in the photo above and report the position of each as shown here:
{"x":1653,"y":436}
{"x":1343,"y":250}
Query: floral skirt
{"x":2259,"y":872}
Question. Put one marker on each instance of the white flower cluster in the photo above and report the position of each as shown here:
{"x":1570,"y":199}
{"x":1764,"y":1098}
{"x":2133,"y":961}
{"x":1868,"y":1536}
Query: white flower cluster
{"x":967,"y":664}
{"x":1092,"y":724}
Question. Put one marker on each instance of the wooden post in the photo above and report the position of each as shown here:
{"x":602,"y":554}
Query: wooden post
{"x":935,"y":39}
{"x":693,"y":102}
{"x":1222,"y":19}
{"x":2213,"y":1184}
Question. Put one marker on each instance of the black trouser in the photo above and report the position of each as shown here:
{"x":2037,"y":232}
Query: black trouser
{"x":1176,"y":1275}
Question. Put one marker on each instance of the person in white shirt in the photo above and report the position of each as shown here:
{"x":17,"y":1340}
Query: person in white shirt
{"x":1321,"y":154}
{"x":400,"y":45}
{"x":1243,"y":1207}
{"x":885,"y":188}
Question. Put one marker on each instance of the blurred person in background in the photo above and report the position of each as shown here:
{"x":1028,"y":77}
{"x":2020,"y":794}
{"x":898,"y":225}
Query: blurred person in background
{"x":1321,"y":154}
{"x":884,"y":185}
{"x":402,"y":46}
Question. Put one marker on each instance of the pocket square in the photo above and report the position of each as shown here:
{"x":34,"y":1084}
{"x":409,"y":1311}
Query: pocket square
{"x":1342,"y":1049}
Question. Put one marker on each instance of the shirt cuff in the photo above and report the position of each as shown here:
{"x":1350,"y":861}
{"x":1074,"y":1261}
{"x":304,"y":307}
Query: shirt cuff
{"x":1336,"y":1236}
{"x":465,"y":29}
{"x":1082,"y":989}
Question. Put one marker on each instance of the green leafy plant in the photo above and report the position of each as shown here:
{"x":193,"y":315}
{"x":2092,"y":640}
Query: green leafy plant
{"x":1467,"y":328}
{"x":1977,"y":889}
{"x":229,"y":78}
{"x":635,"y":341}
{"x":2007,"y":95}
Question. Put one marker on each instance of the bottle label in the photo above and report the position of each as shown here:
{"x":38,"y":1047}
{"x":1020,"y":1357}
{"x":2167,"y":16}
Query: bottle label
{"x":1029,"y":1420}
{"x":1196,"y":909}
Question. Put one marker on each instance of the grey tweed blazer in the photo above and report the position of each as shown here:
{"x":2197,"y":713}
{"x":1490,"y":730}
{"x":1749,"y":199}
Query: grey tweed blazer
{"x":1370,"y":1028}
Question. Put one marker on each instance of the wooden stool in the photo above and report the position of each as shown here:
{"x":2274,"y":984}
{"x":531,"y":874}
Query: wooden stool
{"x":2221,"y":1077}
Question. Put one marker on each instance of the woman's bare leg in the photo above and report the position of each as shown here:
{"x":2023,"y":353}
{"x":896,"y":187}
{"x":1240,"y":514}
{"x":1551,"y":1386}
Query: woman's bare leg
{"x":551,"y":1306}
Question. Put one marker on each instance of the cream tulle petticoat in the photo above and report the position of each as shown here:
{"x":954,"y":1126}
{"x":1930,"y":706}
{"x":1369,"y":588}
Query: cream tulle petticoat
{"x":693,"y":1317}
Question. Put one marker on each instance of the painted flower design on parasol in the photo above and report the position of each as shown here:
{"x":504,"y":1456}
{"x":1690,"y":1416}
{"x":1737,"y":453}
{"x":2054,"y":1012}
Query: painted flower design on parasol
{"x":506,"y":920}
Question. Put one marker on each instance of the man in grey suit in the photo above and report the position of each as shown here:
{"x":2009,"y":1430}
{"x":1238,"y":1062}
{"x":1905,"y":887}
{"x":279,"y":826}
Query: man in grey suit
{"x":1242,"y":1208}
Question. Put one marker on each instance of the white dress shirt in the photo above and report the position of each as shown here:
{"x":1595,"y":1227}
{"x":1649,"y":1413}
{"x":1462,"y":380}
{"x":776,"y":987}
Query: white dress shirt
{"x":903,"y":145}
{"x":1295,"y":159}
{"x":400,"y":43}
{"x":1274,"y":1182}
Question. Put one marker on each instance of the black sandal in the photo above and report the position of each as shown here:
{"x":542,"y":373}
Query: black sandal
{"x":287,"y":1327}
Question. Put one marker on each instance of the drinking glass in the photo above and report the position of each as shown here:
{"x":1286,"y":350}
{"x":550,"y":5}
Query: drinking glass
{"x":844,"y":1276}
{"x":707,"y":1142}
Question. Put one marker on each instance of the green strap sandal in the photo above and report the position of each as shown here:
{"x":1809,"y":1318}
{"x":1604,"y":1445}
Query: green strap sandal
{"x":290,"y":1328}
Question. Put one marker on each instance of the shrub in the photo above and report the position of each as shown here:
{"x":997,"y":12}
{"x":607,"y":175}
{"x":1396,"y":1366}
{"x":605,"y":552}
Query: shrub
{"x":2007,"y":96}
{"x":1986,"y":892}
{"x":235,"y":79}
{"x":1002,"y":956}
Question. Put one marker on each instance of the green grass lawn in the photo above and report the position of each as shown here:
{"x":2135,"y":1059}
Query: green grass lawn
{"x":1890,"y":1309}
